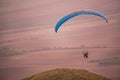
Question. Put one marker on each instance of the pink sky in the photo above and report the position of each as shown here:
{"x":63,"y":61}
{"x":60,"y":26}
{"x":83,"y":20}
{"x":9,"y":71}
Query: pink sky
{"x":29,"y":25}
{"x":42,"y":15}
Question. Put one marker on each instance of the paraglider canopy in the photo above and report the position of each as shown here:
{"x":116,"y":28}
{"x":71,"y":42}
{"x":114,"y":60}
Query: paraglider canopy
{"x":67,"y":17}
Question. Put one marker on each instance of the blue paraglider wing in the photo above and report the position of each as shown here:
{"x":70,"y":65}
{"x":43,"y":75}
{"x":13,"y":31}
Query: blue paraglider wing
{"x":64,"y":19}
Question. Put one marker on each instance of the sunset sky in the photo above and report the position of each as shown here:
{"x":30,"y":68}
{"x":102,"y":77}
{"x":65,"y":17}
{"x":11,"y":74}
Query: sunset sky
{"x":29,"y":25}
{"x":18,"y":17}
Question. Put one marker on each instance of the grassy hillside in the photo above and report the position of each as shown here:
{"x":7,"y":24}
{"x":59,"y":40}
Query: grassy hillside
{"x":66,"y":74}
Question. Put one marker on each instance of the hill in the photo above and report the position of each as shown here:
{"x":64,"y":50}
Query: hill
{"x":66,"y":74}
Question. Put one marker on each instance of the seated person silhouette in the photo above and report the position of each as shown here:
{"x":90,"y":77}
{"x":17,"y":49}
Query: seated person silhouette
{"x":85,"y":54}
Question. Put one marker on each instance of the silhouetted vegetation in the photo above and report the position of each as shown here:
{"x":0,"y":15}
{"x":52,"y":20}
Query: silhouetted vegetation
{"x":66,"y":74}
{"x":10,"y":52}
{"x":108,"y":61}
